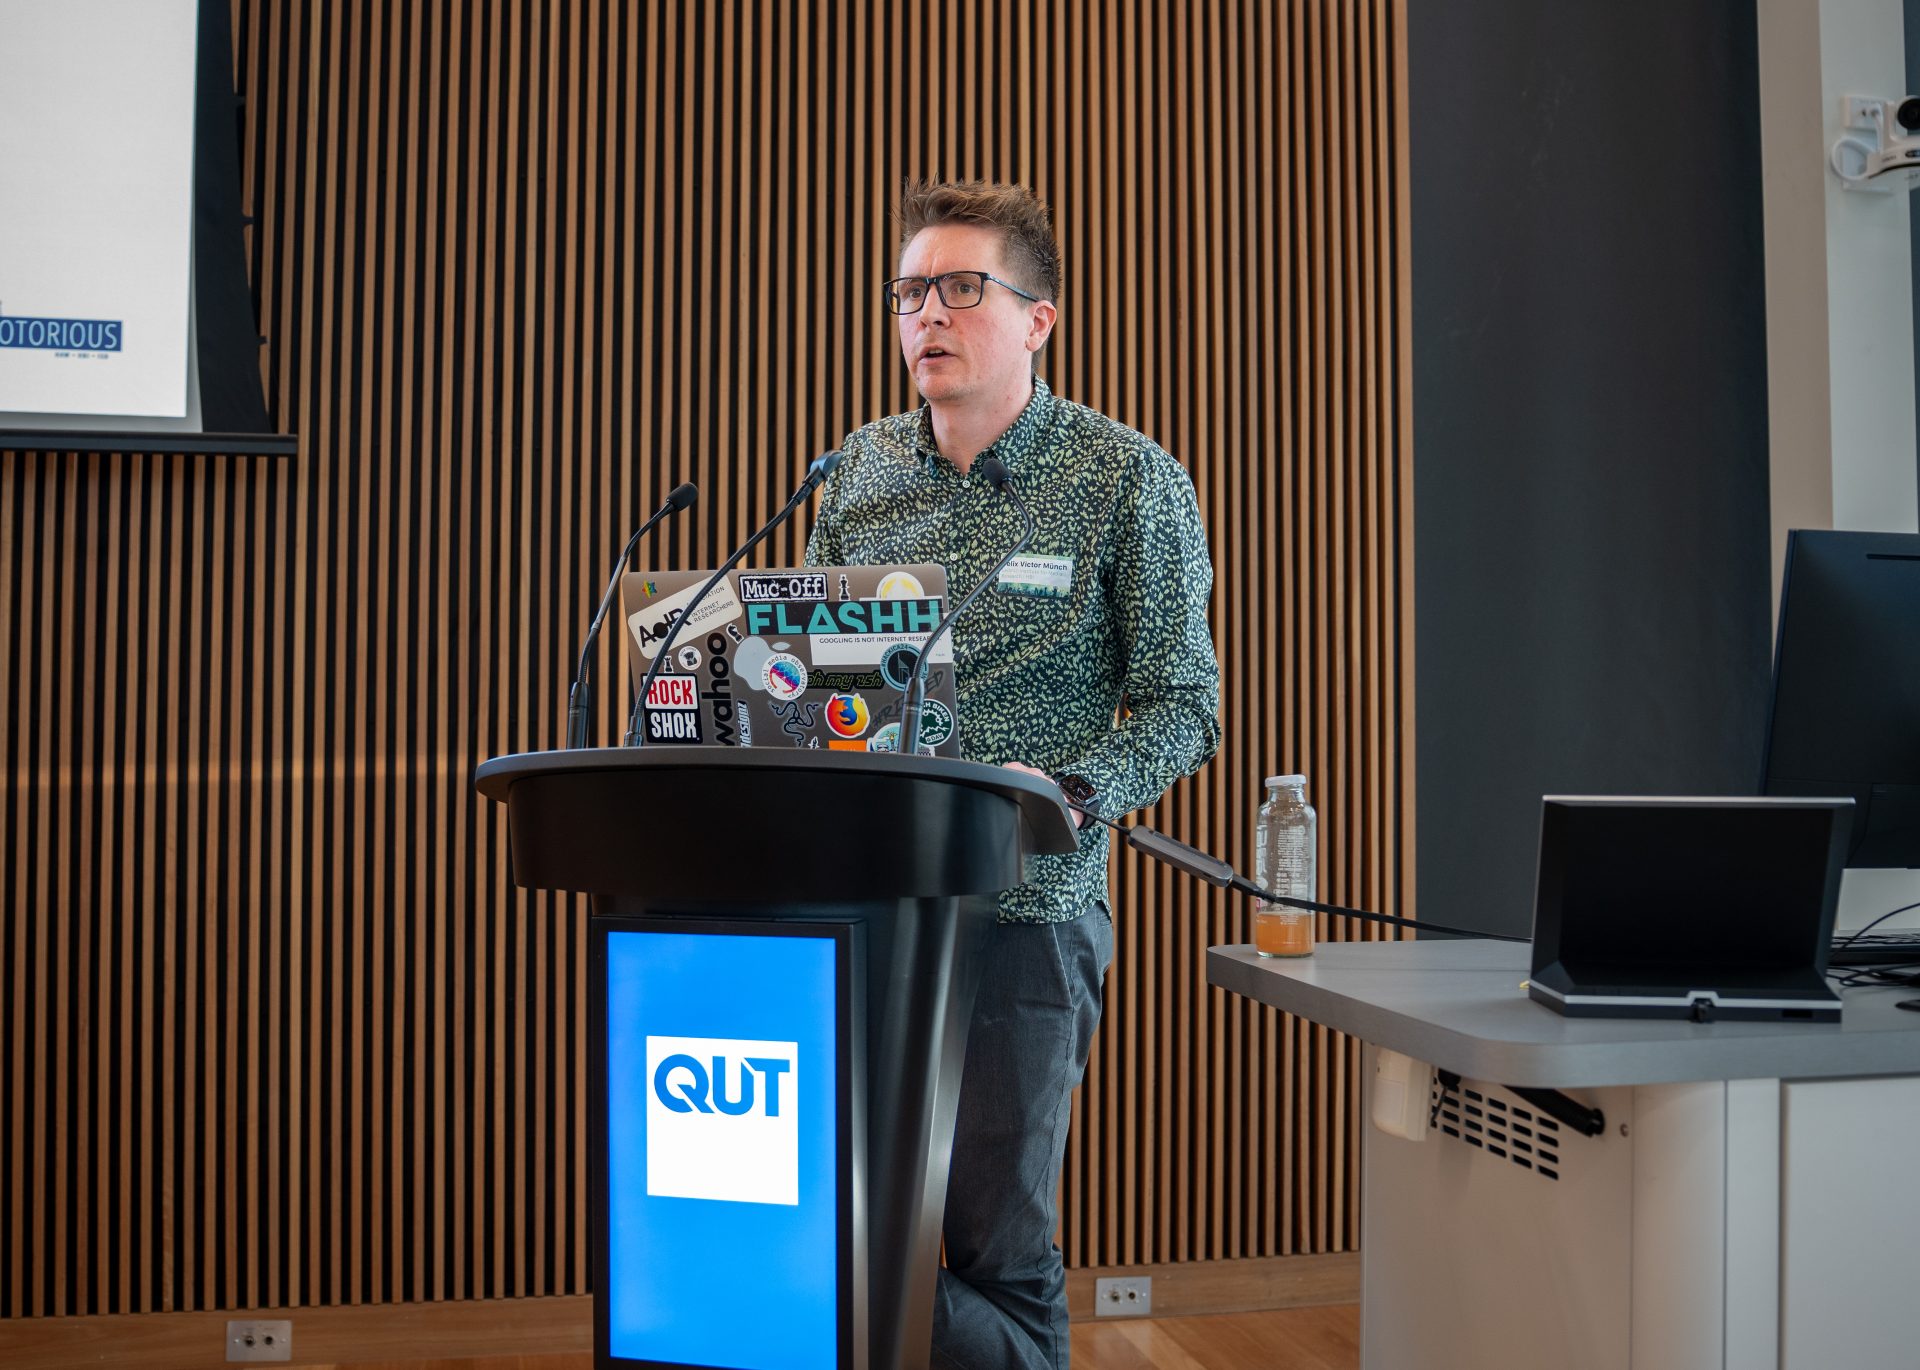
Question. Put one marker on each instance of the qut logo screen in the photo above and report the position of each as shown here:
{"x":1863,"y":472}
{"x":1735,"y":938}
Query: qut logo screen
{"x":716,"y":1128}
{"x":722,"y":1145}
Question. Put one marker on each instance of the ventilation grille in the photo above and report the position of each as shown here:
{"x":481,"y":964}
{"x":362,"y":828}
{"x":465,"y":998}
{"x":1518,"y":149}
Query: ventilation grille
{"x":1510,"y":1131}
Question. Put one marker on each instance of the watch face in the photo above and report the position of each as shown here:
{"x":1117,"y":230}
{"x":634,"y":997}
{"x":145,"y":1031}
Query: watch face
{"x":1079,"y":790}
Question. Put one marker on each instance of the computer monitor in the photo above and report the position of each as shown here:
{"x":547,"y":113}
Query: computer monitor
{"x":1845,"y":719}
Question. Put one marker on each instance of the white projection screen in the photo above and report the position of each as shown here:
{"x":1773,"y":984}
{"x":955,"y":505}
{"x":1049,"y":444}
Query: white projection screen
{"x":96,"y":215}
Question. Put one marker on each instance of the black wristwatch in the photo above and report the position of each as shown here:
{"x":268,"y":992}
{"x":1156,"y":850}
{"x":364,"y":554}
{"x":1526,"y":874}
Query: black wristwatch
{"x":1081,"y":794}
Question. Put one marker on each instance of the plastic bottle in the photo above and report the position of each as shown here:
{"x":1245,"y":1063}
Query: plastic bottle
{"x":1286,"y":843}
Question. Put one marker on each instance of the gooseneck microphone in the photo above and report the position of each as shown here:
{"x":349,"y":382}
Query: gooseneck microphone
{"x":817,"y":473}
{"x":1203,"y":866}
{"x":913,"y":694}
{"x":580,"y":697}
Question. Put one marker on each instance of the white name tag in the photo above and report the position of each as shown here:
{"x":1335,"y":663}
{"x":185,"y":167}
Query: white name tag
{"x":1046,"y":577}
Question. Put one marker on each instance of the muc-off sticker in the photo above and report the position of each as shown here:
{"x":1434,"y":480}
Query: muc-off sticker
{"x":764,"y":588}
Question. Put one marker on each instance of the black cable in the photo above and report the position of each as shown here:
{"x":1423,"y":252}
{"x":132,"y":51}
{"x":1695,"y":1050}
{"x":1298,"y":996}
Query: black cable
{"x":1899,"y":975}
{"x":1214,"y":871}
{"x":1874,"y":924}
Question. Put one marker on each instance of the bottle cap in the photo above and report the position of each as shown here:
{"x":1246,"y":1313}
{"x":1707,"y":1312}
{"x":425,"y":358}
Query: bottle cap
{"x":1300,"y":780}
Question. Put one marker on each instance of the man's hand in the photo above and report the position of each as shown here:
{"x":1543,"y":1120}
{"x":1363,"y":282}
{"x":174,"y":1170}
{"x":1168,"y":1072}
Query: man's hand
{"x":1080,"y":819}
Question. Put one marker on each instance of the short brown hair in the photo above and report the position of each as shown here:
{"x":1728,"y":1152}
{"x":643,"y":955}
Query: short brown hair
{"x":1026,"y":228}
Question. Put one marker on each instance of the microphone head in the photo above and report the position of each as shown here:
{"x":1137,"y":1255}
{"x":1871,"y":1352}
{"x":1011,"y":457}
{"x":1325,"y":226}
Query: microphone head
{"x":823,"y":466}
{"x":682,"y":496}
{"x":995,"y":471}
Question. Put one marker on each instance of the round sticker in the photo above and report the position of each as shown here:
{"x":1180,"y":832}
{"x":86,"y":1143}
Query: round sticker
{"x":897,"y":663}
{"x":689,"y":657}
{"x":750,"y":662}
{"x":936,"y":723}
{"x":847,"y":715}
{"x":785,"y":678}
{"x":901,"y":585}
{"x":886,"y":738}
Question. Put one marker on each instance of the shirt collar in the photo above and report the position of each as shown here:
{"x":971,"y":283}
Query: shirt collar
{"x":1023,"y":436}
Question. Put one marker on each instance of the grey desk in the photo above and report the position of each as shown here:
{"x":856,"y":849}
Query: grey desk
{"x":1754,"y":1200}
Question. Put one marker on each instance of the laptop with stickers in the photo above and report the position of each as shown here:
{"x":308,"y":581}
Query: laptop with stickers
{"x":809,"y":657}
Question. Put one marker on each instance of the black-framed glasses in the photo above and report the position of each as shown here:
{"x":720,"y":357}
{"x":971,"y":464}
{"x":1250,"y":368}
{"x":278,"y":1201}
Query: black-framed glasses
{"x":958,"y":290}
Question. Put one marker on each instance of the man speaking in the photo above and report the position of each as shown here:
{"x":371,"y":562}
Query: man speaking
{"x":1089,"y":662}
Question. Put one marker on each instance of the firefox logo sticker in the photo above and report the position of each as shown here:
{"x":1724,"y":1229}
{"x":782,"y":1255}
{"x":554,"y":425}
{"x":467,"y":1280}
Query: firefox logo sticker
{"x":847,"y":715}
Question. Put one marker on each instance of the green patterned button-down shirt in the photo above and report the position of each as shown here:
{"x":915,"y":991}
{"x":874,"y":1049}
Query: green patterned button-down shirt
{"x":1041,"y":676}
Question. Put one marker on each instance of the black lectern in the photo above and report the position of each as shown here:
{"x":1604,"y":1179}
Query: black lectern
{"x":784,"y":953}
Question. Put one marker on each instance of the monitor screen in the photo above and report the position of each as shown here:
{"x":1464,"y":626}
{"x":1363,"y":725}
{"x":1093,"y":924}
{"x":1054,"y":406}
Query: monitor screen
{"x":1845,"y":720}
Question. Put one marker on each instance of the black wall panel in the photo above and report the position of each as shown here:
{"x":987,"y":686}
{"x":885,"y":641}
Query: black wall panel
{"x":1590,"y":482}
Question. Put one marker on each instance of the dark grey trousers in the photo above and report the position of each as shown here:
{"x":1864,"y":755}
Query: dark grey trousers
{"x":1002,"y":1298}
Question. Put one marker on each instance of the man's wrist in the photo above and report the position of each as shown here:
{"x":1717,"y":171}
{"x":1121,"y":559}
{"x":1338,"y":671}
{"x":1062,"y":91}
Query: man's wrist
{"x":1081,"y":794}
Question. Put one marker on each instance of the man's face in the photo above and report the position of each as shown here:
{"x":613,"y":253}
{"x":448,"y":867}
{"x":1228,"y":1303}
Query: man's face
{"x":957,"y":355}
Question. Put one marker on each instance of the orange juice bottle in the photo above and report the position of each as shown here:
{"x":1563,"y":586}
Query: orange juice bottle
{"x":1285,"y":848}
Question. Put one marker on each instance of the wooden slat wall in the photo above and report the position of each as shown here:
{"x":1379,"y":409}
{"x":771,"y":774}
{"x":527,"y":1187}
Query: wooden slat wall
{"x":277,"y":1031}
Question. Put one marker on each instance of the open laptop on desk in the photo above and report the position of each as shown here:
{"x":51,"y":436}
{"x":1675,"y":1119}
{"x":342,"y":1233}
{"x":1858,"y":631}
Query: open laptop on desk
{"x":1687,"y":908}
{"x":812,"y":656}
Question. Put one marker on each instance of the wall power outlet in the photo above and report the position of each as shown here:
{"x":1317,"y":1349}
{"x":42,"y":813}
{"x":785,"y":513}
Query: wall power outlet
{"x":1123,"y":1296}
{"x":259,"y":1339}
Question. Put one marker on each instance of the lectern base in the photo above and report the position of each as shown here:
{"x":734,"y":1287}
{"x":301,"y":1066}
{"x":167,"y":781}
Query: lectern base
{"x":772,"y":1110}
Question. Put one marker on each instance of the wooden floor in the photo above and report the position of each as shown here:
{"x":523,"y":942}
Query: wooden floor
{"x":1324,"y":1338}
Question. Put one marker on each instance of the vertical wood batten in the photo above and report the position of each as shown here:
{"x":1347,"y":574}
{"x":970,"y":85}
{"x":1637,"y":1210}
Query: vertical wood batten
{"x":279,"y":1031}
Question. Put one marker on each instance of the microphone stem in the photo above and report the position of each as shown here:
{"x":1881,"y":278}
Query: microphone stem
{"x":916,"y":687}
{"x":580,"y":697}
{"x":606,"y":600}
{"x":635,"y":732}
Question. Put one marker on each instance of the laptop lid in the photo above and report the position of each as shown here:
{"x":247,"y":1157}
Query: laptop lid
{"x":1644,"y":897}
{"x":812,"y":656}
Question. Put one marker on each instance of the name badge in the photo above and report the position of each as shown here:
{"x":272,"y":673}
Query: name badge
{"x":1041,"y":577}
